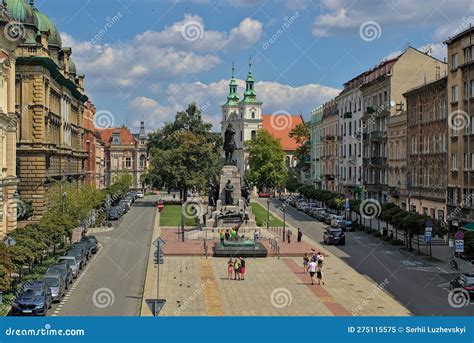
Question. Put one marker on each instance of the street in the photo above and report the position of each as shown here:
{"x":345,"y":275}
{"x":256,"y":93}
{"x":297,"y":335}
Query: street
{"x":112,"y":281}
{"x":415,"y":283}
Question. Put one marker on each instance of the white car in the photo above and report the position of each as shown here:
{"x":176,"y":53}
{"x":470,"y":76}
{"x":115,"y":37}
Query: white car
{"x":140,"y":195}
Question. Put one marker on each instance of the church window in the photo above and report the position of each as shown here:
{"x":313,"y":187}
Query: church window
{"x":253,"y":115}
{"x":128,"y":162}
{"x":253,"y":134}
{"x":241,"y":135}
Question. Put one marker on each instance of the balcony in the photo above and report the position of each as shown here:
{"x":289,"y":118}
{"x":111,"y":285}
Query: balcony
{"x":370,"y":110}
{"x":378,"y":160}
{"x":377,"y":135}
{"x":347,"y":115}
{"x":365,"y":136}
{"x":329,"y":137}
{"x":394,"y":192}
{"x":329,"y":177}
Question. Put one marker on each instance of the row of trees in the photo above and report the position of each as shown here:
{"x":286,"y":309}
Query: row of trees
{"x":69,"y":205}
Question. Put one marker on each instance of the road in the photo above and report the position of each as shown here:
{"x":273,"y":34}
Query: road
{"x":112,"y":283}
{"x":418,"y":285}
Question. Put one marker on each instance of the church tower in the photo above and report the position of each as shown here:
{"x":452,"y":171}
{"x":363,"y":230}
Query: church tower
{"x":245,"y":116}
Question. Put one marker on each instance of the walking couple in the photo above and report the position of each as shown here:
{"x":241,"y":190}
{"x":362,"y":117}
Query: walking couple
{"x":237,"y":267}
{"x":314,"y":265}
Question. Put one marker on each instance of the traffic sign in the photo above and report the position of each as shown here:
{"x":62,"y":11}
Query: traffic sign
{"x":459,"y":245}
{"x":429,"y":223}
{"x":428,"y":229}
{"x":155,"y":305}
{"x":159,"y":242}
{"x":459,"y":235}
{"x":428,"y":236}
{"x":9,"y":241}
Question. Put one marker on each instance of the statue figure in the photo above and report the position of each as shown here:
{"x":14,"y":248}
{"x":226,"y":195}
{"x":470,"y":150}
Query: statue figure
{"x":213,"y":193}
{"x":246,"y":192}
{"x":228,"y":189}
{"x":229,"y":143}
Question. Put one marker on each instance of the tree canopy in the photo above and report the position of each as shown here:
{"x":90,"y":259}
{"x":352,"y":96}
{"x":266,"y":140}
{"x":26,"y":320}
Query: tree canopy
{"x":301,"y":134}
{"x":266,"y":161}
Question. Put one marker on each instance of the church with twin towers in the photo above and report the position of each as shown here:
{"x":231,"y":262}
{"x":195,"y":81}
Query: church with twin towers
{"x":245,"y":116}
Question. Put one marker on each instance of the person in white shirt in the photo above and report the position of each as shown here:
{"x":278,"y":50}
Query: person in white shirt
{"x":312,"y":266}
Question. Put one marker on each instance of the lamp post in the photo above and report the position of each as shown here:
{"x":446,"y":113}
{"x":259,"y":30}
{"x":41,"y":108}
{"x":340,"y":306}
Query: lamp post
{"x":268,"y":213}
{"x":284,"y":220}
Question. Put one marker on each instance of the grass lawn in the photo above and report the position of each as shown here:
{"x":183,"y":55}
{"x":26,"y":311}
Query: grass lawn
{"x":171,"y":216}
{"x":261,"y":216}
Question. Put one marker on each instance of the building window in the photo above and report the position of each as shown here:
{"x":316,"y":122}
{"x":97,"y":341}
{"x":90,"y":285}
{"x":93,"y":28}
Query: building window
{"x":241,"y":135}
{"x":454,"y":93}
{"x":128,"y":162}
{"x":466,"y":162}
{"x":465,"y":92}
{"x":253,"y":115}
{"x":472,"y":88}
{"x":454,"y":61}
{"x":142,"y":161}
{"x":253,"y":134}
{"x":454,"y":162}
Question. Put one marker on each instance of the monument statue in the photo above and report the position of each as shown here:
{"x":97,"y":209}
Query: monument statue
{"x":229,"y":143}
{"x":213,"y":193}
{"x":229,"y":189}
{"x":246,"y":192}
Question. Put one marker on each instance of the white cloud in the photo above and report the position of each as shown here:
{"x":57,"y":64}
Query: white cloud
{"x":210,"y":97}
{"x":342,"y":16}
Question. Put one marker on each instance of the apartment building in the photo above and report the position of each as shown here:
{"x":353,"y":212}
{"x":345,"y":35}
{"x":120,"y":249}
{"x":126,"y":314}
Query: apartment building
{"x":397,"y":163}
{"x":426,"y":158}
{"x":317,"y":146}
{"x":350,"y":105}
{"x":460,"y":95}
{"x":329,"y":133}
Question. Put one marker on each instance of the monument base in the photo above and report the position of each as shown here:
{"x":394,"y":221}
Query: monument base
{"x":240,"y":248}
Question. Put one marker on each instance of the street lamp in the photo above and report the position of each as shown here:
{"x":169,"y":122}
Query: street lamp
{"x":284,"y":220}
{"x":268,"y":213}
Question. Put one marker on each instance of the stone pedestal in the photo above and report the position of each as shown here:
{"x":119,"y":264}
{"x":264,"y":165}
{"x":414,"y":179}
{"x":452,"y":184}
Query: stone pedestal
{"x":230,"y":172}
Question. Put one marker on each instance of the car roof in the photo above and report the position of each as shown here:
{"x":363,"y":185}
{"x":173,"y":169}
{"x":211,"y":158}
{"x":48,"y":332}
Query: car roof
{"x":36,"y":284}
{"x":55,"y":276}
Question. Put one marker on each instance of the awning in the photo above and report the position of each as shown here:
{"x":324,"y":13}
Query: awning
{"x":468,"y":226}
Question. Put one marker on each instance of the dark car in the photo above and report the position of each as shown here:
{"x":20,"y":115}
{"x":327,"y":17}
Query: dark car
{"x":334,"y":236}
{"x":34,"y":299}
{"x":125,"y":204}
{"x":92,"y":240}
{"x":115,"y":213}
{"x":81,"y":251}
{"x":62,"y":269}
{"x":56,"y":285}
{"x":465,"y":281}
{"x":78,"y":255}
{"x":84,"y":245}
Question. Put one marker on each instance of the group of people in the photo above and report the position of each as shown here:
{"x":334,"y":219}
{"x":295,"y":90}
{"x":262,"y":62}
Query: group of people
{"x":289,"y":233}
{"x":236,"y":268}
{"x":314,"y":266}
{"x":228,"y":234}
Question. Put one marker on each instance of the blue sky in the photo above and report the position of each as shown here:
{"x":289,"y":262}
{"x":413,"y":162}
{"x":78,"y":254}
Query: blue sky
{"x":146,"y":59}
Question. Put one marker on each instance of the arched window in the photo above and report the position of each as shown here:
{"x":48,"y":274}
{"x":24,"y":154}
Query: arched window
{"x":142,"y":161}
{"x":253,"y":115}
{"x":287,"y":161}
{"x":253,"y":134}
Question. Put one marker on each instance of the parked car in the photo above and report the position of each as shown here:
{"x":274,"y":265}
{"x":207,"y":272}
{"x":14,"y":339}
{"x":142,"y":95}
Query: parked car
{"x":115,"y":213}
{"x":82,"y":252}
{"x":334,"y":236}
{"x":63,"y":270}
{"x":347,"y":225}
{"x":93,"y":241}
{"x":34,"y":299}
{"x":464,"y":281}
{"x":78,"y":256}
{"x":264,"y":195}
{"x":140,"y":195}
{"x":125,"y":204}
{"x":316,"y":212}
{"x":337,"y":221}
{"x":56,"y":284}
{"x":86,"y":246}
{"x":72,"y":262}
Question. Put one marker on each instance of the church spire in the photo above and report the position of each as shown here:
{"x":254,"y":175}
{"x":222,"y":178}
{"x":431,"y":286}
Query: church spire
{"x":232,"y":98}
{"x":250,"y":94}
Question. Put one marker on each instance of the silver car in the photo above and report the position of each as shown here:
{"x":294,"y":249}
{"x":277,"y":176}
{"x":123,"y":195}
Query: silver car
{"x":72,"y":262}
{"x":56,"y":285}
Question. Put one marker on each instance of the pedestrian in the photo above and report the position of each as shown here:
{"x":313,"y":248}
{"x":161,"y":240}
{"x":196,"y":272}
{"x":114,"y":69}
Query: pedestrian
{"x":320,"y":260}
{"x":314,"y":258}
{"x":236,"y":269}
{"x":256,"y":236}
{"x":242,"y":268}
{"x":300,"y":235}
{"x":319,"y":275}
{"x":227,"y":235}
{"x":230,"y":268}
{"x":288,"y":234}
{"x":312,"y":266}
{"x":305,"y":263}
{"x":222,"y":235}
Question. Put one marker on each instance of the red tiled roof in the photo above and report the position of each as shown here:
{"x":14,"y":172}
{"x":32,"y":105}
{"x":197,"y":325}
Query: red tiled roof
{"x":126,"y":137}
{"x":280,"y":125}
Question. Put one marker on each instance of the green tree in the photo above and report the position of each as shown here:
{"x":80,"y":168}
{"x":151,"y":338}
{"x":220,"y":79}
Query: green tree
{"x":291,"y":183}
{"x":21,"y":256}
{"x":266,"y":161}
{"x":184,"y":154}
{"x":302,"y":135}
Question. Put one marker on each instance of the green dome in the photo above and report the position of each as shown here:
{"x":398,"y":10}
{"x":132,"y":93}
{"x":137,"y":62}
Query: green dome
{"x":72,"y":67}
{"x":21,"y":12}
{"x":45,"y":24}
